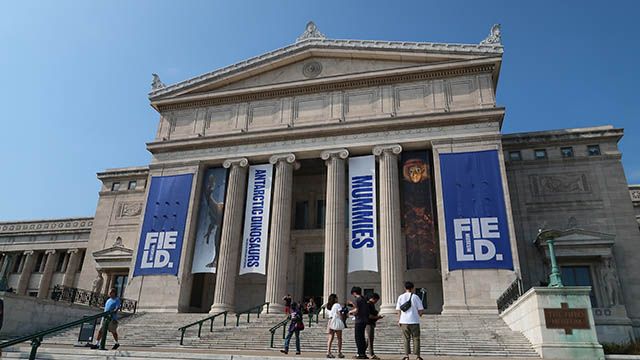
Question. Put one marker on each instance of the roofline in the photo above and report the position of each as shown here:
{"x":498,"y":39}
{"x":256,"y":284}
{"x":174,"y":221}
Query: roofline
{"x":121,"y":172}
{"x":415,"y":47}
{"x":605,"y":131}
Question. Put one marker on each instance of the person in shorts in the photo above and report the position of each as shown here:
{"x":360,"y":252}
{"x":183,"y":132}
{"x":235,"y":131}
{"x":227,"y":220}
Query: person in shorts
{"x":409,"y":320}
{"x":112,"y":304}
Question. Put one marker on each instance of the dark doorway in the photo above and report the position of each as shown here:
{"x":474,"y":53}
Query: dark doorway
{"x":314,"y":276}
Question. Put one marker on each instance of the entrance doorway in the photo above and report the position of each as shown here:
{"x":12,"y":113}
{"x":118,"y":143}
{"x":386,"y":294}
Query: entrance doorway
{"x":313,"y":276}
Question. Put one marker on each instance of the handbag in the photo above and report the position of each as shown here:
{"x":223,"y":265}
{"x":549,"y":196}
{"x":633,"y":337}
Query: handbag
{"x":407,"y":304}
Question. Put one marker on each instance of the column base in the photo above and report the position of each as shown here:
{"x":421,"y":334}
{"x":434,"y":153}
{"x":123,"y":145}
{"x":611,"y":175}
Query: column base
{"x":387,"y":309}
{"x":218,"y":308}
{"x":274,"y":309}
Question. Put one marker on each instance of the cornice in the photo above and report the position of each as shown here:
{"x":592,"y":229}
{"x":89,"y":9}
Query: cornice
{"x":336,"y":44}
{"x":138,"y":171}
{"x":50,"y":226}
{"x":517,"y":140}
{"x":342,"y":82}
{"x":386,"y":122}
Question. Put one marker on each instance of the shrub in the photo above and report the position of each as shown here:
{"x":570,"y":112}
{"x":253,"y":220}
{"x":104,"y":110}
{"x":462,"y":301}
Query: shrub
{"x":627,"y":348}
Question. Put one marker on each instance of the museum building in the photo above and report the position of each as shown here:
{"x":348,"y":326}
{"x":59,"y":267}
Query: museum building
{"x":328,"y":164}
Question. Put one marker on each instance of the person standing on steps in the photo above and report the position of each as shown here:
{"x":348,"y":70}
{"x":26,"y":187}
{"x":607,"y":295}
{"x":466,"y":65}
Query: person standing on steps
{"x":287,"y":304}
{"x":296,"y":325}
{"x":335,"y":325}
{"x":371,"y":324}
{"x":410,"y":309}
{"x":112,"y":304}
{"x":361,"y":312}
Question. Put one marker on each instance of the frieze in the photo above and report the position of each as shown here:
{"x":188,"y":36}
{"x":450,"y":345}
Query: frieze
{"x":46,"y":226}
{"x":570,"y":183}
{"x":635,"y":195}
{"x":129,"y":209}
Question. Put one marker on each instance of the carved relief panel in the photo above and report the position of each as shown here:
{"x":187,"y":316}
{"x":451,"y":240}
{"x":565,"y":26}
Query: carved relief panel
{"x":221,"y":119}
{"x":568,"y":183}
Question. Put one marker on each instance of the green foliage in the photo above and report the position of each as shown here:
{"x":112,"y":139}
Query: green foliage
{"x":628,"y":348}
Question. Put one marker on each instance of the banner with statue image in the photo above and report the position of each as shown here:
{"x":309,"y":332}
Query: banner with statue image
{"x":209,"y":226}
{"x":418,"y":217}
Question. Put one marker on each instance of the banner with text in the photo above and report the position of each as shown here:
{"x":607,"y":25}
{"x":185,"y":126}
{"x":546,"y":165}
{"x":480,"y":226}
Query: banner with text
{"x":474,"y":211}
{"x":165,"y":218}
{"x":256,"y":220}
{"x":417,"y":210}
{"x":209,"y":228}
{"x":363,"y":237}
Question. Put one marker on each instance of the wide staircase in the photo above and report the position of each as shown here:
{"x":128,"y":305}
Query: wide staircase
{"x":453,"y":335}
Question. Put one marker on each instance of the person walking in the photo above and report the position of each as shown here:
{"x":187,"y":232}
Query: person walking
{"x":410,"y":310}
{"x":370,"y":330}
{"x":296,"y":325}
{"x":287,"y":304}
{"x":112,"y":304}
{"x":335,"y":325}
{"x":361,"y":313}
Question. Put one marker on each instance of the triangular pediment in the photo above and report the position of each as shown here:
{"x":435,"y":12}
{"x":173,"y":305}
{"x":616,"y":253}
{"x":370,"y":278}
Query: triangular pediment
{"x":315,"y":60}
{"x":580,"y":236}
{"x":113,"y":252}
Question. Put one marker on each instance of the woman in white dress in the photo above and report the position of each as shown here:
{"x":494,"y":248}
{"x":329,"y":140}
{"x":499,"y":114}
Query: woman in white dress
{"x":335,"y":325}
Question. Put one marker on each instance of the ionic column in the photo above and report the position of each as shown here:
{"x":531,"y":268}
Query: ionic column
{"x":231,"y":236}
{"x":335,"y":274}
{"x":25,"y":275}
{"x":280,"y":230}
{"x":391,"y":273}
{"x":47,"y":274}
{"x":72,"y":268}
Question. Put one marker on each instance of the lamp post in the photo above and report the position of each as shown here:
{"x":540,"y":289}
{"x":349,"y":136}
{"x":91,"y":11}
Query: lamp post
{"x":555,"y":279}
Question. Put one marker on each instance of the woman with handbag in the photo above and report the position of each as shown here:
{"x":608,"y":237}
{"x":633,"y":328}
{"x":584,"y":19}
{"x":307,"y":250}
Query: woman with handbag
{"x":335,"y":325}
{"x":296,"y":325}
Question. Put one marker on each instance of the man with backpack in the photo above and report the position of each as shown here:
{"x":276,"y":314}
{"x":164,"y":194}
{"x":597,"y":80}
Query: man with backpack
{"x":410,"y":309}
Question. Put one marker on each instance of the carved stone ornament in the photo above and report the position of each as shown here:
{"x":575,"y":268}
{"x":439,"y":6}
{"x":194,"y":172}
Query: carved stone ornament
{"x":571,"y":183}
{"x":156,"y":83}
{"x":311,"y":69}
{"x":611,"y":282}
{"x":495,"y":36}
{"x":118,"y":242}
{"x":129,"y":209}
{"x":96,"y":286}
{"x":311,"y":32}
{"x":635,"y":195}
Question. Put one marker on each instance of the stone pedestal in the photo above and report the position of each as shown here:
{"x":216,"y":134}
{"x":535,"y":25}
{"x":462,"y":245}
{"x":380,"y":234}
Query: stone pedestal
{"x":391,"y":256}
{"x":47,"y":274}
{"x":527,"y":315}
{"x":335,"y":274}
{"x":231,"y":237}
{"x":280,"y":232}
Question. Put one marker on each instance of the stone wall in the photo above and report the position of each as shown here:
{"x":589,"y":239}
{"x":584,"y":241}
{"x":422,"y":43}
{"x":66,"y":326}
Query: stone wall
{"x":24,"y":315}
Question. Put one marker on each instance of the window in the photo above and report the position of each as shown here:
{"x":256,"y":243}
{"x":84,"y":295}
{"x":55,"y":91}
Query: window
{"x":17,"y":263}
{"x":33,"y":293}
{"x":132,"y":185}
{"x":39,"y":263}
{"x":115,"y":186}
{"x":578,"y":276}
{"x":81,"y":261}
{"x":62,"y":261}
{"x":567,"y":152}
{"x":540,"y":154}
{"x":593,"y":150}
{"x":120,"y":283}
{"x":515,"y":156}
{"x":320,"y":213}
{"x":302,"y":215}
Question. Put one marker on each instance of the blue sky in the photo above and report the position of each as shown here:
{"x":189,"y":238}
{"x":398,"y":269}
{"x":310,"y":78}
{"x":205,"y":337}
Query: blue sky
{"x":75,"y":74}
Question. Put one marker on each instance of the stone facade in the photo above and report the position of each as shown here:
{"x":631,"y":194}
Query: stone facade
{"x":307,"y":108}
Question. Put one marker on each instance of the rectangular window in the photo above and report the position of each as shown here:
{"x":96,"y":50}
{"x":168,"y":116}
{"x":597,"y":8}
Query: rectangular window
{"x":578,"y":276}
{"x":39,"y":263}
{"x":33,"y":293}
{"x":540,"y":154}
{"x":302,"y":215}
{"x":132,"y":185}
{"x":515,"y":156}
{"x":567,"y":152}
{"x":81,"y":260}
{"x":593,"y":150}
{"x":62,"y":257}
{"x":115,"y":186}
{"x":320,"y":213}
{"x":17,"y":263}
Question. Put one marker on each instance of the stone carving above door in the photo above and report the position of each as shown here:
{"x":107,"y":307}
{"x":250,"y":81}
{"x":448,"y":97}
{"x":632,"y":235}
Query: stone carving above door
{"x":569,"y":183}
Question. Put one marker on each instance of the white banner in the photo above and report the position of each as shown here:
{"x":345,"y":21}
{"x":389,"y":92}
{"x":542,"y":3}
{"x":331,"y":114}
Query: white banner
{"x":256,"y":220}
{"x":363,"y":237}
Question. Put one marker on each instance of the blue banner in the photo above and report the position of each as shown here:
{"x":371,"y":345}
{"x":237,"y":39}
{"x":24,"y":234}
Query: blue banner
{"x":474,"y":211}
{"x":165,"y":218}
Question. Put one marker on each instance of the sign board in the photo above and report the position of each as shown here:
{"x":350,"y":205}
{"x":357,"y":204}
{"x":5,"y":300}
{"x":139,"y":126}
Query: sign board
{"x":566,"y":319}
{"x":363,"y":237}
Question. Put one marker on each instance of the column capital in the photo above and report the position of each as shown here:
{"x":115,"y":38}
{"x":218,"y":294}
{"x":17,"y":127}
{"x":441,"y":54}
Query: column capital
{"x":73,"y":251}
{"x":337,"y":153}
{"x":389,"y":148}
{"x":289,"y":158}
{"x":50,"y":251}
{"x":241,"y":162}
{"x":28,"y":252}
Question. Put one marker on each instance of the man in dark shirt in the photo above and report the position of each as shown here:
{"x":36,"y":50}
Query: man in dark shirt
{"x":371,"y":324}
{"x":361,"y":312}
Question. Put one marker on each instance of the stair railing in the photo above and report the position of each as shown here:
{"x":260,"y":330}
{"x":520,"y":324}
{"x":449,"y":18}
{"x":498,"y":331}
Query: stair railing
{"x":257,"y":309}
{"x":510,"y":295}
{"x":316,"y":314}
{"x":89,"y":298}
{"x":36,"y":339}
{"x":200,"y":322}
{"x":282,"y":324}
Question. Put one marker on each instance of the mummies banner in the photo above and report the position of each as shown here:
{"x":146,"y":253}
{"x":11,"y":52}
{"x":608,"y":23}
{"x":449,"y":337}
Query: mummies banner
{"x":163,"y":225}
{"x":363,"y":238}
{"x":208,"y":231}
{"x":474,"y":211}
{"x":256,"y":220}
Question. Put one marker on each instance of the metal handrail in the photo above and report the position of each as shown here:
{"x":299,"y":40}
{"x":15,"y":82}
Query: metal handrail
{"x":316,"y":314}
{"x":89,"y":298}
{"x":36,"y":339}
{"x":200,"y":322}
{"x":280,"y":324}
{"x":248,"y":312}
{"x":510,"y":295}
